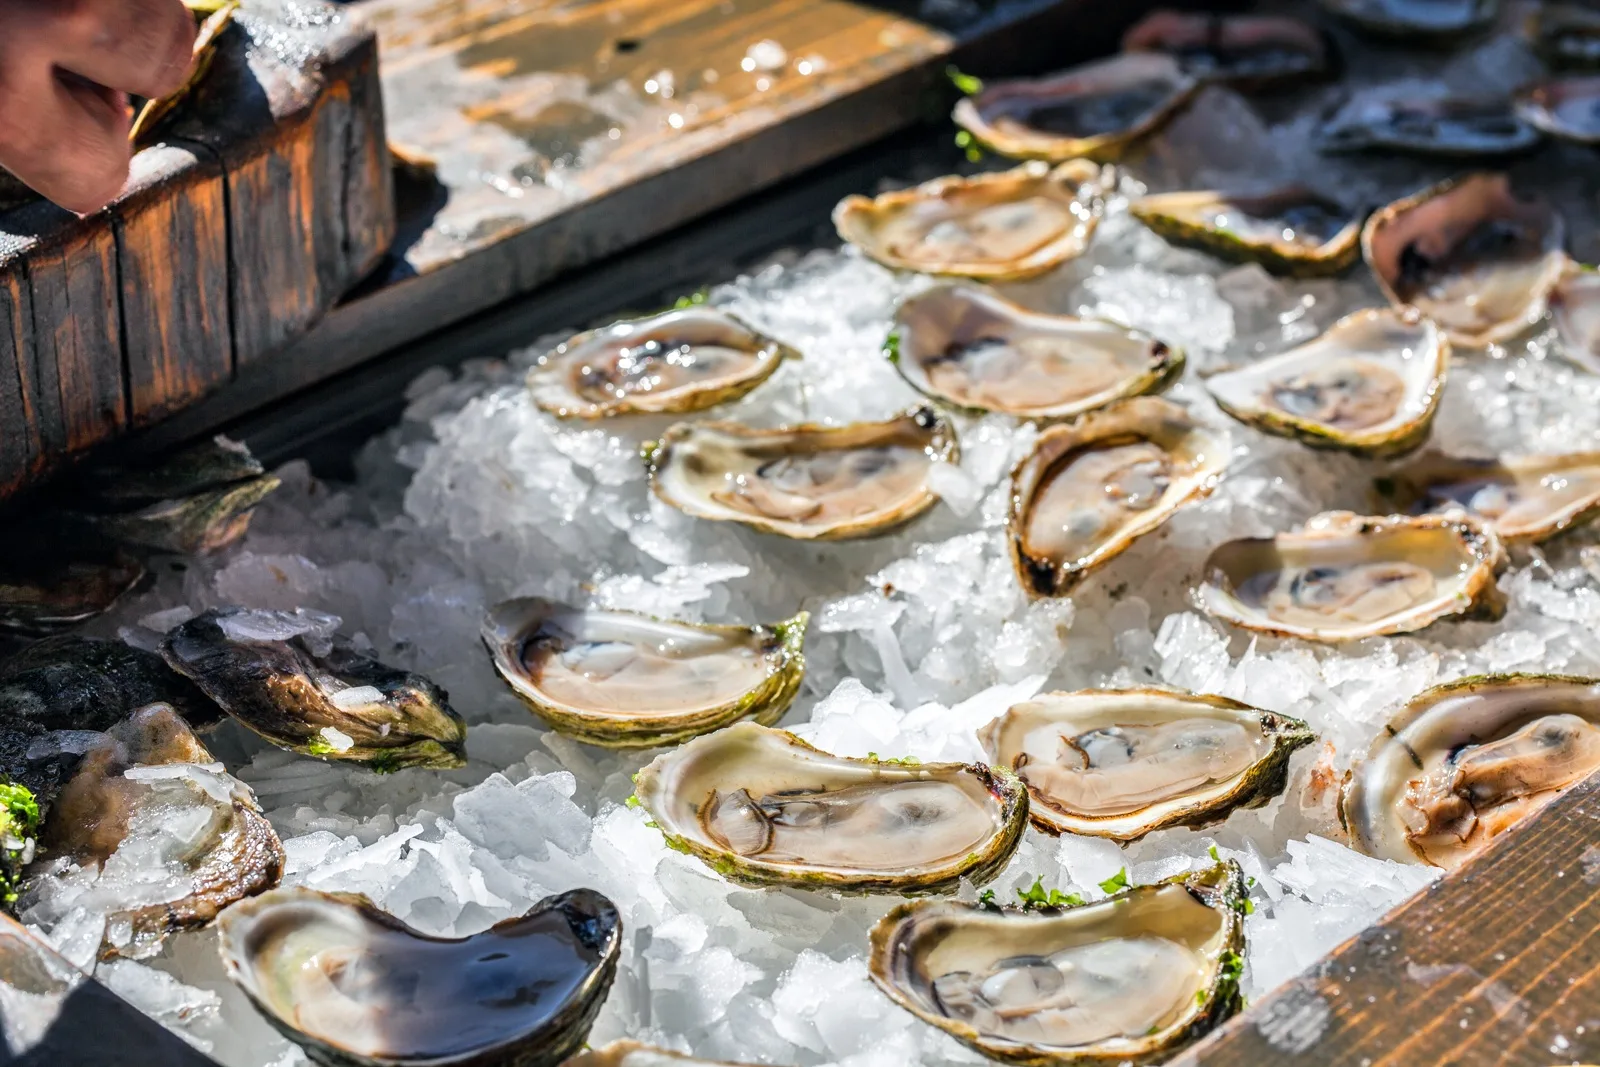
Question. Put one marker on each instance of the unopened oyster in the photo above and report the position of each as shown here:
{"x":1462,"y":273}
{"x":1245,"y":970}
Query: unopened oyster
{"x":46,"y":586}
{"x":1422,"y":19}
{"x":625,"y":680}
{"x":69,"y":682}
{"x":808,"y":482}
{"x":1525,"y":499}
{"x":1568,"y":108}
{"x":687,"y":359}
{"x":1451,"y":127}
{"x":1120,"y":763}
{"x":1575,"y":310}
{"x":1369,"y":385}
{"x":1470,"y":255}
{"x":1090,"y":488}
{"x":973,"y":349}
{"x":1342,"y":577}
{"x":355,"y":987}
{"x":1246,"y":52}
{"x":1566,"y":35}
{"x":150,"y":780}
{"x":762,"y":807}
{"x":1463,"y":762}
{"x":1129,"y":979}
{"x":1288,"y":231}
{"x":213,"y":19}
{"x":290,"y":679}
{"x":633,"y":1054}
{"x":1095,"y":111}
{"x":1000,"y":226}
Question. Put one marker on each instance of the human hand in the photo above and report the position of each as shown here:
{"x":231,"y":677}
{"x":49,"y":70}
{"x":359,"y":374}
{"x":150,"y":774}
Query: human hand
{"x":67,"y":68}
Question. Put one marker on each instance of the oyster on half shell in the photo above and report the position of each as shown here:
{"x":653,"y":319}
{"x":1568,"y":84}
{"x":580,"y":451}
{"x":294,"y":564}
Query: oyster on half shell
{"x":1090,"y":488}
{"x":355,"y":987}
{"x":1120,"y":763}
{"x":762,"y":807}
{"x":1426,"y":20}
{"x":1568,"y":108}
{"x":1525,"y":499}
{"x":807,"y":482}
{"x":1245,"y":52}
{"x":971,"y":348}
{"x":1000,"y":226}
{"x":1470,"y":255}
{"x":1290,"y":230}
{"x":1575,"y":310}
{"x":687,"y":359}
{"x":1343,"y":576}
{"x":1094,"y":111}
{"x":1451,"y":127}
{"x":1130,"y":979}
{"x":1463,"y":762}
{"x":625,"y":680}
{"x":1370,"y":385}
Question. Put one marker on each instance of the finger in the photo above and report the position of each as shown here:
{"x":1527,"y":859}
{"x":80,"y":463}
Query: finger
{"x":66,"y":139}
{"x":143,"y":47}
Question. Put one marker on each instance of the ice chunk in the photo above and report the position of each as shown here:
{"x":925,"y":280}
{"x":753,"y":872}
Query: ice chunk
{"x":271,"y":626}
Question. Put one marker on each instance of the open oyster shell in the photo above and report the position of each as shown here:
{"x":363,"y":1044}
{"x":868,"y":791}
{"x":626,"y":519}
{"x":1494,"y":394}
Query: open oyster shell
{"x":1290,"y":230}
{"x":808,"y":482}
{"x":1437,"y":20}
{"x":1246,"y":52}
{"x":1470,"y":255}
{"x":625,"y":680}
{"x":1342,"y":576}
{"x":972,"y":349}
{"x":1370,"y":385}
{"x":1120,"y":763}
{"x":1575,"y":310}
{"x":355,"y":987}
{"x":687,"y":359}
{"x":999,"y":226}
{"x":762,"y":807}
{"x":1447,"y":127}
{"x":633,"y":1054}
{"x":313,"y":692}
{"x":1130,"y":979}
{"x":1566,"y":35}
{"x":1464,"y":761}
{"x":1094,"y":111}
{"x":1525,"y":499}
{"x":1092,"y":487}
{"x":1568,"y":108}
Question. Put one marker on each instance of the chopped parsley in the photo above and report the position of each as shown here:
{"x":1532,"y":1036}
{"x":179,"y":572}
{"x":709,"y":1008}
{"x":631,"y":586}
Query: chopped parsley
{"x":1036,"y":896}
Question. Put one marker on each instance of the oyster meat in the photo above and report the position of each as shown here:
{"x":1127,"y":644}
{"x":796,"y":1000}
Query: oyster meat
{"x":1120,"y":763}
{"x":352,"y":985}
{"x":808,"y":482}
{"x":973,"y":349}
{"x":1470,"y":255}
{"x":762,"y":807}
{"x":1095,"y":111}
{"x":1290,"y":230}
{"x":1568,"y":108}
{"x":1090,"y":488}
{"x":1247,"y":52}
{"x":1465,"y":761}
{"x":1000,"y":226}
{"x":687,"y":359}
{"x":1419,"y":19}
{"x":289,"y":678}
{"x":1575,"y":310}
{"x":625,"y":680}
{"x":1130,"y":979}
{"x":633,"y":1054}
{"x":1451,"y":127}
{"x":1525,"y":499}
{"x":1342,"y":576}
{"x":1370,"y":385}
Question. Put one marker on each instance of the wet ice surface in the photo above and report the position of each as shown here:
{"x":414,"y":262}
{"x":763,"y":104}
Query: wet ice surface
{"x":919,"y":639}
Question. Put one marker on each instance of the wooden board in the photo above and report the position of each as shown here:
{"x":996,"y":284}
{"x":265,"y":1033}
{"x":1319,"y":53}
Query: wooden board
{"x":268,"y":199}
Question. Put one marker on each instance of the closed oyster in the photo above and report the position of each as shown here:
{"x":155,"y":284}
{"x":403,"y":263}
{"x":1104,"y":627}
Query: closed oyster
{"x":633,"y":1054}
{"x":213,"y":19}
{"x":355,"y":987}
{"x":1525,"y":499}
{"x":1418,"y":19}
{"x":1575,"y":310}
{"x":1469,"y":255}
{"x":1465,"y":761}
{"x":1130,"y":979}
{"x":290,"y":679}
{"x":973,"y":349}
{"x":1120,"y":763}
{"x":52,"y":579}
{"x":1001,"y":226}
{"x":1090,"y":488}
{"x":1369,"y":385}
{"x":762,"y":807}
{"x":68,"y":682}
{"x":808,"y":482}
{"x":1246,"y":52}
{"x":1449,"y":127}
{"x":1095,"y":111}
{"x":1291,"y":230}
{"x":687,"y":359}
{"x":1342,"y":577}
{"x":1568,"y":108}
{"x":1566,"y":35}
{"x":625,"y":680}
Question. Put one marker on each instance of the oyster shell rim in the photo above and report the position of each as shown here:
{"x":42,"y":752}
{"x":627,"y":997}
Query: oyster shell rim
{"x":1325,"y":62}
{"x":1484,"y":16}
{"x":1397,"y":488}
{"x":1533,"y":105}
{"x":1334,"y":256}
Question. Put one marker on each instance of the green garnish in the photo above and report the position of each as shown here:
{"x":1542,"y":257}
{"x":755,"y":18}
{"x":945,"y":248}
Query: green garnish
{"x":986,"y":899}
{"x":1116,"y":883}
{"x":1036,"y":896}
{"x":1214,"y":857}
{"x":694,"y":299}
{"x":632,"y":801}
{"x":898,"y":761}
{"x":969,"y":85}
{"x":969,"y":144}
{"x":891,"y":346}
{"x":1232,"y":966}
{"x":19,"y":822}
